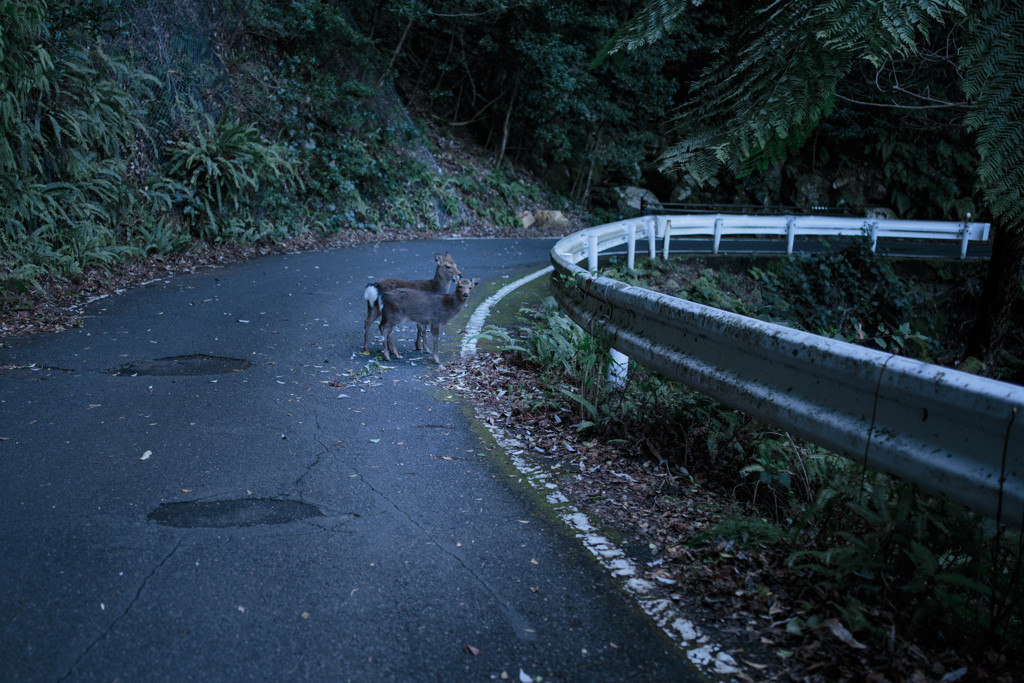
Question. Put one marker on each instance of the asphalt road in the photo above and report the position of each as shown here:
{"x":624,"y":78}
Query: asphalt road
{"x":207,"y":481}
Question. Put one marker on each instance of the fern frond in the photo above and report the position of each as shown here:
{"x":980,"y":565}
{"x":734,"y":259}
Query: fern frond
{"x":878,"y":31}
{"x":995,"y":86}
{"x":750,"y":109}
{"x":657,"y":19}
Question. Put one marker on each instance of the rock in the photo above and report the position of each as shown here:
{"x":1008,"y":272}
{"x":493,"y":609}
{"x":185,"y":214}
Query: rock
{"x":630,"y":198}
{"x":681,"y":194}
{"x":811,"y":191}
{"x":526,"y":218}
{"x":880,"y":213}
{"x":554,"y":221}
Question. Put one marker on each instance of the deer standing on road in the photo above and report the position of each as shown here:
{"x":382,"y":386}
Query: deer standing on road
{"x":445,"y":276}
{"x":423,"y":308}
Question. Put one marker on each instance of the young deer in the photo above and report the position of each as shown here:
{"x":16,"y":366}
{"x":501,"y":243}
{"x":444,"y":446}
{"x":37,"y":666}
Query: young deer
{"x":445,"y":275}
{"x":423,"y":308}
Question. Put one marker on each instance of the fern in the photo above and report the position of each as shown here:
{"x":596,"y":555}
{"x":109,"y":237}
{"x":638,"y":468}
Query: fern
{"x":995,"y":73}
{"x":220,"y":165}
{"x":775,"y":78}
{"x":656,"y":20}
{"x":749,"y":109}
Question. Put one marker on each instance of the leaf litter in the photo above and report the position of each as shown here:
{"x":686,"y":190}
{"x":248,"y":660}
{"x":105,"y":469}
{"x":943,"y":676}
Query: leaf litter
{"x":746,"y":600}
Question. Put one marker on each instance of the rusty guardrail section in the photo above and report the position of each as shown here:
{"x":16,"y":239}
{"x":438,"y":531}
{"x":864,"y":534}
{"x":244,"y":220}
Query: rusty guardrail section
{"x":953,"y":434}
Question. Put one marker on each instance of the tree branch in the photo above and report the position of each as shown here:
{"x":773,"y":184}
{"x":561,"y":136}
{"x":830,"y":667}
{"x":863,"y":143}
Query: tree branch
{"x":893,"y":105}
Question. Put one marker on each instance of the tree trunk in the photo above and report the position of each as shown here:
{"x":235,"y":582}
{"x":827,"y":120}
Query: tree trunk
{"x":999,"y":294}
{"x":508,"y":120}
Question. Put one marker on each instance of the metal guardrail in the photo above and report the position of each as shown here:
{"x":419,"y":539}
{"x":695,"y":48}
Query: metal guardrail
{"x":665,"y":228}
{"x":952,"y":433}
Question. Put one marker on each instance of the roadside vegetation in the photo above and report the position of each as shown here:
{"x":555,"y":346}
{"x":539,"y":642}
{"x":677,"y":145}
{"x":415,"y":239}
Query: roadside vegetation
{"x":137,"y":132}
{"x":886,"y":579}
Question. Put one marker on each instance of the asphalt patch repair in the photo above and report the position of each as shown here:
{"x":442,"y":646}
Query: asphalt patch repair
{"x":183,"y":366}
{"x":222,"y":514}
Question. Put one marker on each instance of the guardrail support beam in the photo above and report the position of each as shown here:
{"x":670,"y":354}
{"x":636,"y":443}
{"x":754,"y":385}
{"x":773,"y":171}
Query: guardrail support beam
{"x":952,"y":433}
{"x":631,"y":246}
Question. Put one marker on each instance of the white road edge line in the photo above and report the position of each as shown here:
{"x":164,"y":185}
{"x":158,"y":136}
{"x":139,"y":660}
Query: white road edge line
{"x":705,"y":655}
{"x":476,"y":321}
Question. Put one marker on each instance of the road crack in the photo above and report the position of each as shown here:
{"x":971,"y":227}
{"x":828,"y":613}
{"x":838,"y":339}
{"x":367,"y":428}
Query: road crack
{"x":520,"y":626}
{"x":127,"y":609}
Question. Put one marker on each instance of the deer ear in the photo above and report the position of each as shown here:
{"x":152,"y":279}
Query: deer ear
{"x":476,"y":281}
{"x":437,"y":257}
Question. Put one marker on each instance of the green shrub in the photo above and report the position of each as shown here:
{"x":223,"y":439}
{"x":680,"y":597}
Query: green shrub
{"x":848,"y":293}
{"x":221,"y":166}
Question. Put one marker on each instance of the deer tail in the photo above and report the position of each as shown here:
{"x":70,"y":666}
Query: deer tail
{"x":372,"y":295}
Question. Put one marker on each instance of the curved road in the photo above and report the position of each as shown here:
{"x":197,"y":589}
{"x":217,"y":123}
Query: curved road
{"x":207,"y":481}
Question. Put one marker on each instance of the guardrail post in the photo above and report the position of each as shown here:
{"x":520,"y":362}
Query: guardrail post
{"x":664,"y":243}
{"x":619,"y":365}
{"x":790,"y":235}
{"x":618,"y":368}
{"x":652,"y":228}
{"x":592,"y":253}
{"x":965,"y":234}
{"x":873,"y":230}
{"x":718,"y":235}
{"x":631,"y":248}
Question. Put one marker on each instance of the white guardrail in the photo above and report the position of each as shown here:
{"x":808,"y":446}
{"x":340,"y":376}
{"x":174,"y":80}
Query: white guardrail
{"x":952,"y":433}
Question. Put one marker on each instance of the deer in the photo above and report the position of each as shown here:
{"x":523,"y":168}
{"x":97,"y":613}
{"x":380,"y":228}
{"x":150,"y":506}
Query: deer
{"x":423,"y":308}
{"x":446,"y":274}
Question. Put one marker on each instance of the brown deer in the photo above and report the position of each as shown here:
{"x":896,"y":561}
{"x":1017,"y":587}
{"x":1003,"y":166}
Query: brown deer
{"x":423,"y":308}
{"x":445,"y":275}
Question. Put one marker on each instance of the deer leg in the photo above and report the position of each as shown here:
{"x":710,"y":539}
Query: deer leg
{"x":372,"y":313}
{"x":436,"y":331}
{"x":389,"y":343}
{"x":421,"y":337}
{"x":385,"y":330}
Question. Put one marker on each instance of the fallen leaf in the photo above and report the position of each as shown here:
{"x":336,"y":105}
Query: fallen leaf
{"x":534,"y":562}
{"x":145,"y":456}
{"x":374,"y":440}
{"x":841,"y":632}
{"x":525,"y":677}
{"x":475,"y":651}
